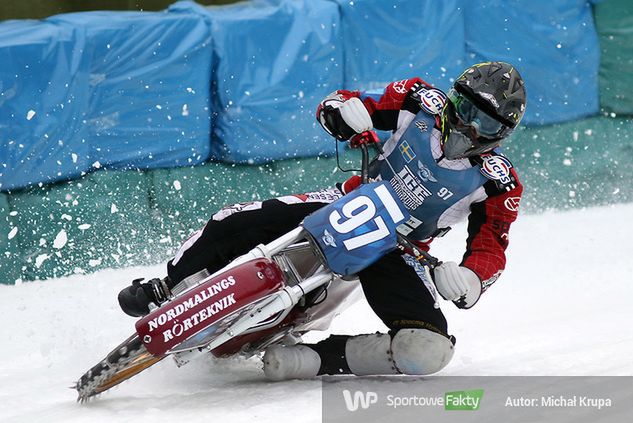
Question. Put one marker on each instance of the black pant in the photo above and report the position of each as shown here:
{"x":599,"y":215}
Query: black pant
{"x":393,"y":289}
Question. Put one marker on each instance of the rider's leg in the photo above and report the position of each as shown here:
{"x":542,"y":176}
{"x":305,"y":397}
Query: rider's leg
{"x":230,"y":233}
{"x":417,"y":343}
{"x":234,"y":231}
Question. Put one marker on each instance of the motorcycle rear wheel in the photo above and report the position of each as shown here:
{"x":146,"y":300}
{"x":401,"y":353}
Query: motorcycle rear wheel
{"x":128,"y":359}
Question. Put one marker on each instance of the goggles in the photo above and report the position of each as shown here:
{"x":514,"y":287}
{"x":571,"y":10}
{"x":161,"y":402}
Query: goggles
{"x":464,"y":116}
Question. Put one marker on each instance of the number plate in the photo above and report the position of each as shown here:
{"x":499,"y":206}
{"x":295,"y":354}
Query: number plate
{"x":356,"y":230}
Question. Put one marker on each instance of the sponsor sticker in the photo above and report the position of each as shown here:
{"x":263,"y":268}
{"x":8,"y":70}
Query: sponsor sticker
{"x":512,"y":203}
{"x":497,"y":168}
{"x":432,"y":100}
{"x":171,"y":324}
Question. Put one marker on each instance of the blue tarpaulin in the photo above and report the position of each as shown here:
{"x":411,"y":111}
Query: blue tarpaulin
{"x":554,"y":45}
{"x":274,"y":62}
{"x":103,"y":89}
{"x":390,"y":40}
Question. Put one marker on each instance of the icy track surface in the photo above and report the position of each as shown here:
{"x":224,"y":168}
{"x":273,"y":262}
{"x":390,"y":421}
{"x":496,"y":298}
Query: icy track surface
{"x":563,"y":307}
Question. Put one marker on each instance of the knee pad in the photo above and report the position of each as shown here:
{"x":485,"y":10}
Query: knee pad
{"x":370,"y":355}
{"x":421,"y":351}
{"x":411,"y":351}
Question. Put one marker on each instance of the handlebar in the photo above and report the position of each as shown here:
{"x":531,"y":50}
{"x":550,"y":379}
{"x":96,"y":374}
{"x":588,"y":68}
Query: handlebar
{"x":361,"y":141}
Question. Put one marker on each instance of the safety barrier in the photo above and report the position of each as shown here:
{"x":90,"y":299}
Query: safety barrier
{"x":614,"y":21}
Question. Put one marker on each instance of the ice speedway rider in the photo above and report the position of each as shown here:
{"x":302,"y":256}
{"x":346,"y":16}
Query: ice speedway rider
{"x":443,"y":162}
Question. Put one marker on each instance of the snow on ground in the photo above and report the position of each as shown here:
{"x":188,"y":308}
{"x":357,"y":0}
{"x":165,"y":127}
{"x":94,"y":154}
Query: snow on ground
{"x":563,"y":307}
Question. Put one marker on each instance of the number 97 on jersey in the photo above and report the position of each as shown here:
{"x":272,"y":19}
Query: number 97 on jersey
{"x":359,"y":228}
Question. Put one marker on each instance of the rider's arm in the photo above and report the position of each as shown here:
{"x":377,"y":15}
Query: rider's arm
{"x":488,"y":232}
{"x":383,"y":108}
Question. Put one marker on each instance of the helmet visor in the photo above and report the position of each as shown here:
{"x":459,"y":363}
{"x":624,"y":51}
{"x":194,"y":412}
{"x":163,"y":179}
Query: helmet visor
{"x":458,"y":146}
{"x":467,"y":115}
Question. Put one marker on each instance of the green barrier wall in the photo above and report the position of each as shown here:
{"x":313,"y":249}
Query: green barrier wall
{"x":141,"y":218}
{"x":10,"y":271}
{"x":186,"y":198}
{"x":101,"y":220}
{"x":614,"y":22}
{"x":575,"y":164}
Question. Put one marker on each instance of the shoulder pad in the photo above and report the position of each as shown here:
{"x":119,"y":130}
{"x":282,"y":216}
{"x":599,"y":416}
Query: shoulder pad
{"x":496,"y":167}
{"x":430,"y":99}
